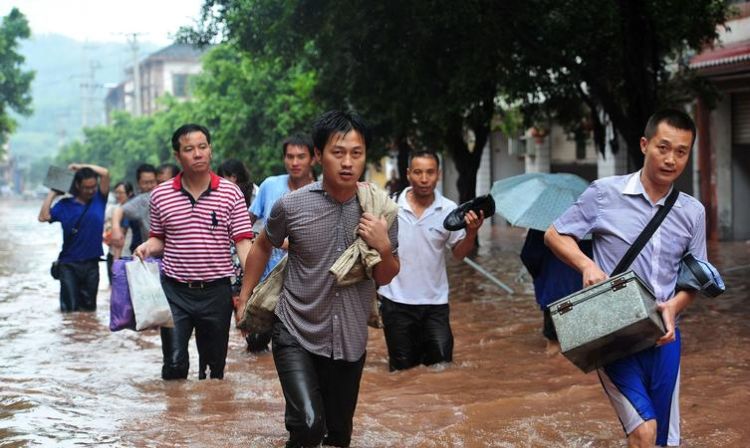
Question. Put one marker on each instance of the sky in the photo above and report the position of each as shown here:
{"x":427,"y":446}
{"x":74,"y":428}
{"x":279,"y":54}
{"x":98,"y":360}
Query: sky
{"x":107,"y":20}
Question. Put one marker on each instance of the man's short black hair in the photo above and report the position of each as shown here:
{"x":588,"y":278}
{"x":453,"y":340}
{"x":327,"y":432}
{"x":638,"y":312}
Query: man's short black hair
{"x":144,"y":168}
{"x":174,"y":169}
{"x":674,"y":118}
{"x":424,"y":153}
{"x":299,"y":140}
{"x":336,"y":121}
{"x":81,"y":175}
{"x":186,"y":129}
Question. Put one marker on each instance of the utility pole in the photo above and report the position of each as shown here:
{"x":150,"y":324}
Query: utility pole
{"x":133,"y":42}
{"x":89,"y":87}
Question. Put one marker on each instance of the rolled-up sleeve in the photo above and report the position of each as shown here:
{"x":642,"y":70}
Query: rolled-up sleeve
{"x":698,"y":241}
{"x":581,"y":218}
{"x":276,"y":223}
{"x":157,"y":225}
{"x":240,"y":227}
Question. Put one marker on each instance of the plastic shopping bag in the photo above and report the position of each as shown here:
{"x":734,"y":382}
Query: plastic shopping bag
{"x":121,"y":314}
{"x":149,"y":302}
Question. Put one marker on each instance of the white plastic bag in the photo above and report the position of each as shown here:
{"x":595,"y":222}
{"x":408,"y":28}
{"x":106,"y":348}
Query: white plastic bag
{"x":149,"y":302}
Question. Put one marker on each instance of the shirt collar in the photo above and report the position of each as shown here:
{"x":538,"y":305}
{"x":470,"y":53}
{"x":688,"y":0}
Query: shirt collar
{"x":437,"y":203}
{"x":634,"y":187}
{"x":213,"y":185}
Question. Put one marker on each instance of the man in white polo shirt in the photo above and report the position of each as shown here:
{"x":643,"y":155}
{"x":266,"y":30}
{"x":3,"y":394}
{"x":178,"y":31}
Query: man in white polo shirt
{"x":415,"y":303}
{"x":193,"y":218}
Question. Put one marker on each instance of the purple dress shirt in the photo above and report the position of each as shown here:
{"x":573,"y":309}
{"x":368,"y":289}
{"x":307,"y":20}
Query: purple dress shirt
{"x":616,"y":209}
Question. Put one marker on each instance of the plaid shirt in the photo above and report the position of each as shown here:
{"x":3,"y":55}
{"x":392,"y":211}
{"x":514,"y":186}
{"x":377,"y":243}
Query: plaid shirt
{"x":326,"y":319}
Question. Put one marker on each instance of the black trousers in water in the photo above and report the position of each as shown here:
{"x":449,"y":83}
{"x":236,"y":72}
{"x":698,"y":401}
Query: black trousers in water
{"x":208,"y":310}
{"x":320,"y":393}
{"x":79,"y":283}
{"x":416,"y":334}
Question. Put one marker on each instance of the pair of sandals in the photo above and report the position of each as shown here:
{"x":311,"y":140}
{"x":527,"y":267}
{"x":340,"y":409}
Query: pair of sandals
{"x":455,"y":219}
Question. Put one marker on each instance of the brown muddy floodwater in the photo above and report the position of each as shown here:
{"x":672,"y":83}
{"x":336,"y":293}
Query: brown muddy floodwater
{"x":67,"y":381}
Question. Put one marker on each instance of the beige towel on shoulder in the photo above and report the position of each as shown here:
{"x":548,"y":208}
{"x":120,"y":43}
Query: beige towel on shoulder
{"x":357,"y":261}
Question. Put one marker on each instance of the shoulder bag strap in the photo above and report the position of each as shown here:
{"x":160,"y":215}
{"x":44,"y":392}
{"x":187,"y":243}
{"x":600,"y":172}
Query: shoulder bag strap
{"x":75,"y":227}
{"x":646,"y":234}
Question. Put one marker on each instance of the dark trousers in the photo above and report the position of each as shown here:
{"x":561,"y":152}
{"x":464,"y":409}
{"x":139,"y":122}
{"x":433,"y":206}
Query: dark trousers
{"x":110,"y":262}
{"x":416,"y":334}
{"x":320,"y":393}
{"x":207,"y":310}
{"x":79,"y":283}
{"x":549,"y":328}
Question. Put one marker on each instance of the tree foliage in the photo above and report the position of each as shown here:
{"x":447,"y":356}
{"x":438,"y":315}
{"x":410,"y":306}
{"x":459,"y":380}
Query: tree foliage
{"x":15,"y":83}
{"x":250,"y":108}
{"x":426,"y":72}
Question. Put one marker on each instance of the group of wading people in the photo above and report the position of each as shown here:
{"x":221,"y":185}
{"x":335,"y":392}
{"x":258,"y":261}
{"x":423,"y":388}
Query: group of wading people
{"x":319,"y":333}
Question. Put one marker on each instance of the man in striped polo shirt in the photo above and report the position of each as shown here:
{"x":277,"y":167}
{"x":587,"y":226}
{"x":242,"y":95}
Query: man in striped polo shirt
{"x":320,"y":334}
{"x":193,"y":218}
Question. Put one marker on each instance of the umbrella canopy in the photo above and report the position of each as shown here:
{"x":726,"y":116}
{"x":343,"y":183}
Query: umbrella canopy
{"x":535,"y":200}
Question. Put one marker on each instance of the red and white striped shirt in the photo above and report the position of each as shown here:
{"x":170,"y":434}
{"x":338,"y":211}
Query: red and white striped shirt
{"x":197,"y":234}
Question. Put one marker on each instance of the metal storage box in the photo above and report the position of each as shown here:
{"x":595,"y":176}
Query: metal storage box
{"x":59,"y":179}
{"x":607,"y":321}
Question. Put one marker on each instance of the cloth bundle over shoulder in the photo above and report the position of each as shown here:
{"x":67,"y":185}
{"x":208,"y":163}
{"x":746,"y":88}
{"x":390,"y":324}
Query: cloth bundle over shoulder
{"x":357,"y":261}
{"x":354,"y":265}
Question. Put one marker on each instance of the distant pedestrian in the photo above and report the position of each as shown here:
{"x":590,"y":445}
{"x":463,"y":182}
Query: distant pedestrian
{"x":123,"y":193}
{"x":236,"y":172}
{"x":416,"y":315}
{"x":136,"y":210}
{"x":194,"y":217}
{"x":553,"y":279}
{"x":320,"y":332}
{"x":82,"y":220}
{"x":299,"y":160}
{"x":166,"y":171}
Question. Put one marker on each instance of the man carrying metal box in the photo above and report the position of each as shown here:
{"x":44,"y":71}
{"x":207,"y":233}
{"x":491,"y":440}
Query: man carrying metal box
{"x":644,"y":387}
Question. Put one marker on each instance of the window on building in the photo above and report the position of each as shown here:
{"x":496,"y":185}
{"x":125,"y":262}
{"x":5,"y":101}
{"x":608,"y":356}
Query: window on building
{"x":181,"y":85}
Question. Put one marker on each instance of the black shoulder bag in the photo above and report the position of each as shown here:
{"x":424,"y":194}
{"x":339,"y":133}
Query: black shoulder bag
{"x":54,"y":270}
{"x":646,"y":234}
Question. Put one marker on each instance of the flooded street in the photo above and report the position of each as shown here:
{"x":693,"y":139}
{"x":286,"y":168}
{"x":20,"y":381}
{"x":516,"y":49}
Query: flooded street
{"x":66,"y":380}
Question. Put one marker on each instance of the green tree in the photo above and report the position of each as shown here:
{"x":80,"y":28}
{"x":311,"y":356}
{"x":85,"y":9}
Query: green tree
{"x":15,"y":83}
{"x":625,"y":58}
{"x":428,"y":72}
{"x":252,"y":105}
{"x":248,"y":106}
{"x":422,"y":75}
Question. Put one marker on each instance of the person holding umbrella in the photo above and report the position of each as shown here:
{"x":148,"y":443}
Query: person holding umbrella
{"x":534,"y":200}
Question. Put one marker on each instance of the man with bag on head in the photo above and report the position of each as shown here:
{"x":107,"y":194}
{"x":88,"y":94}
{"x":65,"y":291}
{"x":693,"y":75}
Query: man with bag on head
{"x":643,"y":388}
{"x":82,"y":220}
{"x":319,"y":335}
{"x":193,"y":218}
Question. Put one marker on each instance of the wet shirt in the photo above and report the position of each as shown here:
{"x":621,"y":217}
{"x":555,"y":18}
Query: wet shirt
{"x":422,"y":279}
{"x":137,"y":209}
{"x":197,"y":233}
{"x":326,"y":319}
{"x":269,"y":192}
{"x":616,"y":209}
{"x":86,"y":243}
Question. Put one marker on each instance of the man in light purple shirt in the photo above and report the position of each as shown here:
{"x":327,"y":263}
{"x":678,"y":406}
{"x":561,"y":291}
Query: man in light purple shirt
{"x":644,"y":387}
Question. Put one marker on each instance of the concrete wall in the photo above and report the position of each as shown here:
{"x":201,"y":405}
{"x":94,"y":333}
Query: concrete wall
{"x":721,"y":142}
